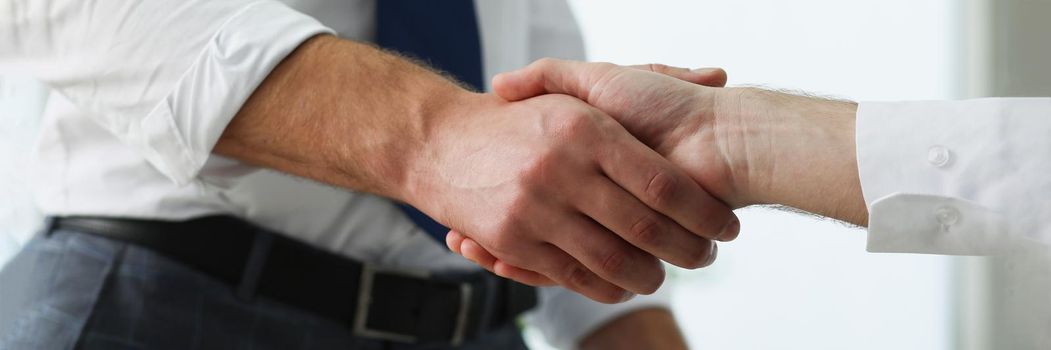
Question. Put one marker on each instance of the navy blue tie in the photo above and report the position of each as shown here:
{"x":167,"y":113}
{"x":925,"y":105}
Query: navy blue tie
{"x":445,"y":35}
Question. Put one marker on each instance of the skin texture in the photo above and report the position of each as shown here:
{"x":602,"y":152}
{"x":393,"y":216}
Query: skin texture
{"x":746,"y":146}
{"x":540,"y":182}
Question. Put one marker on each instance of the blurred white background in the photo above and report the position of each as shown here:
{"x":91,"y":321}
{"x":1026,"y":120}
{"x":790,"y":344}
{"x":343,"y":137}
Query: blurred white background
{"x":789,"y":281}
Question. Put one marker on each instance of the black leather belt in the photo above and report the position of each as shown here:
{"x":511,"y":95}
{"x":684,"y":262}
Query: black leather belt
{"x":378,"y":303}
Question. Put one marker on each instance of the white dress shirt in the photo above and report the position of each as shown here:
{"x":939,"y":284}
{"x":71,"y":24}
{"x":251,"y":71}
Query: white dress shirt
{"x":143,"y":89}
{"x":963,"y":177}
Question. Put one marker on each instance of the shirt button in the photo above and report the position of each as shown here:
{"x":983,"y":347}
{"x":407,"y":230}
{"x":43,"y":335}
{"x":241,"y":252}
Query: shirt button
{"x":947,"y":217}
{"x":939,"y":156}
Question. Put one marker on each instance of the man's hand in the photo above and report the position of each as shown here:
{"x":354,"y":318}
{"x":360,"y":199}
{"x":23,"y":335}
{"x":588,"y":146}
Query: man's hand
{"x":549,"y":183}
{"x":542,"y":184}
{"x":675,"y":117}
{"x":636,"y":107}
{"x":745,"y":146}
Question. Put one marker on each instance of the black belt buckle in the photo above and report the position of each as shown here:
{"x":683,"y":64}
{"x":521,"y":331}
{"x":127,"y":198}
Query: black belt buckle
{"x":366,"y":296}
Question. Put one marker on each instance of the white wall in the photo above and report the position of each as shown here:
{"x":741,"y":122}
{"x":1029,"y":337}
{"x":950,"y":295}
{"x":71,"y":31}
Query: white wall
{"x":794,"y":282}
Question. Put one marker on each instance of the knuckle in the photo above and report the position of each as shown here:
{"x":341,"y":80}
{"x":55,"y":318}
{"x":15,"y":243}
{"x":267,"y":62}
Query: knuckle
{"x":501,"y":242}
{"x":534,"y":175}
{"x":571,"y":124}
{"x":615,"y":264}
{"x":579,"y":277}
{"x":661,"y":188}
{"x":646,"y":231}
{"x":545,"y":62}
{"x":657,"y":67}
{"x":506,"y":234}
{"x":605,"y":66}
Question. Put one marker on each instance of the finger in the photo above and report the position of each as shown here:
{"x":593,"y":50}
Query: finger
{"x":574,"y":276}
{"x":566,"y":271}
{"x":474,"y":252}
{"x":453,"y":240}
{"x":713,"y":256}
{"x":714,"y":77}
{"x":667,"y":189}
{"x":546,"y":76}
{"x":620,"y":212}
{"x":521,"y":275}
{"x":609,"y":256}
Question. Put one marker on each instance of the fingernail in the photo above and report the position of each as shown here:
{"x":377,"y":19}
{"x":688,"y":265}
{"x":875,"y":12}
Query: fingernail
{"x":627,"y":296}
{"x":703,"y":70}
{"x":730,"y":231}
{"x":713,"y":255}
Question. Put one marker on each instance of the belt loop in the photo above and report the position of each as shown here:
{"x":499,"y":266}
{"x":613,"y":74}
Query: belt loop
{"x":253,"y":269}
{"x":489,"y":310}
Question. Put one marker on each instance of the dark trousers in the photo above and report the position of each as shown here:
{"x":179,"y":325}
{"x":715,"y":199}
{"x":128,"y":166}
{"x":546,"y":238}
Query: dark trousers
{"x":72,"y":290}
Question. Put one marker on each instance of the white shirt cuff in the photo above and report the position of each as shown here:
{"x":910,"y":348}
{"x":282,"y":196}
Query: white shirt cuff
{"x":959,"y":178}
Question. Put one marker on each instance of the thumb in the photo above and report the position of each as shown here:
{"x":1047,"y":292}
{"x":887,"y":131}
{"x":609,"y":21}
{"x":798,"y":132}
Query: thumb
{"x":714,"y":77}
{"x":554,"y":76}
{"x":545,"y":76}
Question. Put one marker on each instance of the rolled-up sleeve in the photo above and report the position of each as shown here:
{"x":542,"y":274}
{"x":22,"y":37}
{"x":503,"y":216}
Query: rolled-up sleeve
{"x":566,"y":318}
{"x":962,"y":177}
{"x":165,"y":77}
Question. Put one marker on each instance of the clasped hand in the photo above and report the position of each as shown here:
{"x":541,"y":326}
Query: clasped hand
{"x":589,"y":190}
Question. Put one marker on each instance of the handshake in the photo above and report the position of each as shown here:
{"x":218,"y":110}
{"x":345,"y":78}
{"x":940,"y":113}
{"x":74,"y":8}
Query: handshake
{"x":587,"y":175}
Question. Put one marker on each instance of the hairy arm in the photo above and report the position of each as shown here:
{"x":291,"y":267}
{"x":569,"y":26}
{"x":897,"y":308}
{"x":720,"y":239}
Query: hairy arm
{"x":343,"y":113}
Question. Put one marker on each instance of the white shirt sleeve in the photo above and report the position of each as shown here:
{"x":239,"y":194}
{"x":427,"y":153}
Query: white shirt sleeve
{"x":566,"y":318}
{"x":165,"y":77}
{"x":962,"y":178}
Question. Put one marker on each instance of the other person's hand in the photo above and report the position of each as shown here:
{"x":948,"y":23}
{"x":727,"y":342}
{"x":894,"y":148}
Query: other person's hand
{"x":743,"y":145}
{"x":558,"y":188}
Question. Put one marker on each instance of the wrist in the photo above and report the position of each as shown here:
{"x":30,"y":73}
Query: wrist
{"x":442,"y":120}
{"x":798,"y":151}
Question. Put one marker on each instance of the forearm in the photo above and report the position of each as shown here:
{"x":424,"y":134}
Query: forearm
{"x":800,"y":152}
{"x":342,"y":113}
{"x":653,"y":328}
